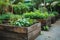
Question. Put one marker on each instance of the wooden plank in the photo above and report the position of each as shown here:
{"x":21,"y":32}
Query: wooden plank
{"x":20,"y":33}
{"x":33,"y":27}
{"x":34,"y":34}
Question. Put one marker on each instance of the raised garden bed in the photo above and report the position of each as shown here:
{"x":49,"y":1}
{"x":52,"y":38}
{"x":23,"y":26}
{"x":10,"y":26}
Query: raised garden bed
{"x":8,"y":32}
{"x":57,"y":17}
{"x":45,"y":22}
{"x":53,"y":20}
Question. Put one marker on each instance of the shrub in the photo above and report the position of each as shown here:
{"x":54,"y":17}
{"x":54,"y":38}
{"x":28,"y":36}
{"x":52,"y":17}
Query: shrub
{"x":20,"y":8}
{"x":3,"y":6}
{"x":52,"y":14}
{"x":36,"y":15}
{"x":31,"y":15}
{"x":55,"y":13}
{"x":9,"y":16}
{"x":5,"y":16}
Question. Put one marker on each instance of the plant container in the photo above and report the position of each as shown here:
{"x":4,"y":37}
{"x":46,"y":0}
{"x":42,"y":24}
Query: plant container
{"x":8,"y":32}
{"x":45,"y":22}
{"x":53,"y":20}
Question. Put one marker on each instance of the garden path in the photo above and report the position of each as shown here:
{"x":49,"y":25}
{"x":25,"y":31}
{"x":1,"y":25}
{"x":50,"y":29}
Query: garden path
{"x":52,"y":34}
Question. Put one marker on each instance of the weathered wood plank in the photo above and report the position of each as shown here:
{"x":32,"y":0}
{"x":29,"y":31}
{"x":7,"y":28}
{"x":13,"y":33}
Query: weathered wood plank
{"x":20,"y":33}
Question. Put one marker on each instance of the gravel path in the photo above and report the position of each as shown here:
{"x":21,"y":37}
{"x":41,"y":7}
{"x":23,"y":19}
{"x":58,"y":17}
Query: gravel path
{"x":52,"y":34}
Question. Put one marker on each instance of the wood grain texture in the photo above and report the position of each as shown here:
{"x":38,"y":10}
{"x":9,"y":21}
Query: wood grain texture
{"x":9,"y":32}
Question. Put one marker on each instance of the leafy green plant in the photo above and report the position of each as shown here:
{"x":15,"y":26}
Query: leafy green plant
{"x":0,"y":21}
{"x":44,"y":15}
{"x":52,"y":14}
{"x":30,"y":15}
{"x":4,"y":6}
{"x":14,"y":18}
{"x":55,"y":13}
{"x":37,"y":15}
{"x":46,"y":27}
{"x":10,"y":16}
{"x":4,"y":16}
{"x":25,"y":22}
{"x":20,"y":8}
{"x":17,"y":9}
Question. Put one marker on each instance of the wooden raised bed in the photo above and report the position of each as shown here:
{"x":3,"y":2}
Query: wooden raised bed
{"x":45,"y":22}
{"x":53,"y":20}
{"x":57,"y":17}
{"x":8,"y":32}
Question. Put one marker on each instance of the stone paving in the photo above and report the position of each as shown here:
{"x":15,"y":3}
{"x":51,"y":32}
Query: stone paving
{"x":52,"y":34}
